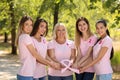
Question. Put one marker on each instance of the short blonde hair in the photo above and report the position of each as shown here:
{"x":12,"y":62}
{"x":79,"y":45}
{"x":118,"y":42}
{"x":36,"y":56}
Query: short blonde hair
{"x":55,"y":29}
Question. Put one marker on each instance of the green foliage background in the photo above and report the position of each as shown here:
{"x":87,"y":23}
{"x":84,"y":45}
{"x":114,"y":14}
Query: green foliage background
{"x":69,"y":11}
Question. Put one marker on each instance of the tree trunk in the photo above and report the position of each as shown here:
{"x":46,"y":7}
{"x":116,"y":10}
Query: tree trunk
{"x":13,"y":31}
{"x":5,"y":37}
{"x":56,"y":12}
{"x":13,"y":35}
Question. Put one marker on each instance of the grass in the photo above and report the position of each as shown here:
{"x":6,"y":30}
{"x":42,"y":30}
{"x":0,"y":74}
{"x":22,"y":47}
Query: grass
{"x":116,"y":58}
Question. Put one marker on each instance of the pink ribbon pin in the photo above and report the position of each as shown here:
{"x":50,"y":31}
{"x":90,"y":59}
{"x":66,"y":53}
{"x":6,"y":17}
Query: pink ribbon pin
{"x":100,"y":42}
{"x":67,"y":63}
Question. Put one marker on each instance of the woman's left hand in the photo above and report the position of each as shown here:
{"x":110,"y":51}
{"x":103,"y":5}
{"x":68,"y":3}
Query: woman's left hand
{"x":82,"y":69}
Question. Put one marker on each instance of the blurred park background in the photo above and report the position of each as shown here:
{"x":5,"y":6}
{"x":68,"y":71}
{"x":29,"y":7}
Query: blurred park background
{"x":65,"y":11}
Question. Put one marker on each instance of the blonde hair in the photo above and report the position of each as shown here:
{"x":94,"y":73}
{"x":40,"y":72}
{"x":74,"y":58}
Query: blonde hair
{"x":20,"y":27}
{"x":55,"y":29}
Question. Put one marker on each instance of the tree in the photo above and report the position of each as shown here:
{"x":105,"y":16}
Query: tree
{"x":65,"y":11}
{"x":53,"y":10}
{"x":110,"y":6}
{"x":4,"y":23}
{"x":56,"y":12}
{"x":13,"y":30}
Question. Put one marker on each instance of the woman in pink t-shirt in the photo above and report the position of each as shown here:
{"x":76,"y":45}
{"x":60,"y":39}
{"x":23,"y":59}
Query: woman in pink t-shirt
{"x":59,"y":49}
{"x":27,"y":53}
{"x":102,"y":53}
{"x":84,"y":41}
{"x":40,"y":30}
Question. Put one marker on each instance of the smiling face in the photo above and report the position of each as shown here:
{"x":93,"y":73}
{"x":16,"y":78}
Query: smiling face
{"x":82,"y":26}
{"x":42,"y":28}
{"x":27,"y":27}
{"x":60,"y":32}
{"x":101,"y":29}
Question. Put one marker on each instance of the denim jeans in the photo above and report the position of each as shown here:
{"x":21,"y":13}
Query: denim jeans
{"x":104,"y":77}
{"x":84,"y":76}
{"x":19,"y":77}
{"x":60,"y":77}
{"x":42,"y":78}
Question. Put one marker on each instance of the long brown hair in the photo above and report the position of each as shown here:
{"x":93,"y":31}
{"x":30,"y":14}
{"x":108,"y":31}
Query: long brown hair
{"x":78,"y":33}
{"x":20,"y":27}
{"x":36,"y":26}
{"x":107,"y":31}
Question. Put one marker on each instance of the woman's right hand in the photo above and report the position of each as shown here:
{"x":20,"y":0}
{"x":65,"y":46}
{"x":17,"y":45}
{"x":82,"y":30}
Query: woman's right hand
{"x":56,"y":65}
{"x":74,"y":65}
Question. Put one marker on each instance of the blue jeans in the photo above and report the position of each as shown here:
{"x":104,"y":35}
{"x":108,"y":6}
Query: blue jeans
{"x":60,"y":77}
{"x":84,"y":76}
{"x":42,"y":78}
{"x":19,"y":77}
{"x":104,"y":77}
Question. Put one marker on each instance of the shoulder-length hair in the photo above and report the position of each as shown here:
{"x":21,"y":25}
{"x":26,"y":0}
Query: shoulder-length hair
{"x":55,"y":29}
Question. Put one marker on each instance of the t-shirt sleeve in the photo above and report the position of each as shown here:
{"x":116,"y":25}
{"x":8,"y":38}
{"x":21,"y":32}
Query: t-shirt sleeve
{"x":107,"y":43}
{"x":50,"y":45}
{"x":27,"y":39}
{"x":92,"y":41}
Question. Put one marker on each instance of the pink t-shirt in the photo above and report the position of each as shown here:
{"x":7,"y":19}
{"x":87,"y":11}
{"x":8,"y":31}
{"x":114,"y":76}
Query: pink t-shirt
{"x":62,"y":51}
{"x":84,"y":46}
{"x":28,"y":62}
{"x":104,"y":65}
{"x":41,"y":47}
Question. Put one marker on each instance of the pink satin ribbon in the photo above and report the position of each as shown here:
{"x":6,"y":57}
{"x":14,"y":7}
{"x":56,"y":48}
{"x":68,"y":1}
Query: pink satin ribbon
{"x":67,"y":66}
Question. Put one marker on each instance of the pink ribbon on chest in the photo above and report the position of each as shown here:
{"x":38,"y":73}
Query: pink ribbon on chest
{"x":67,"y":63}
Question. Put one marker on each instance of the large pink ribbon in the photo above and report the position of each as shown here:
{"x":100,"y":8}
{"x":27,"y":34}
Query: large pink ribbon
{"x":67,"y":63}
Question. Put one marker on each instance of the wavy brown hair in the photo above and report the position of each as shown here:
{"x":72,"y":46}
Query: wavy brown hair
{"x":78,"y":33}
{"x":20,"y":27}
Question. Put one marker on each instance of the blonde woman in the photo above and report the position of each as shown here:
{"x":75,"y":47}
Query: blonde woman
{"x":60,"y":48}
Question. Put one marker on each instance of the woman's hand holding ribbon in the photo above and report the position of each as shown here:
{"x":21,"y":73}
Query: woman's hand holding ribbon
{"x":56,"y":65}
{"x":82,"y":69}
{"x":67,"y":63}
